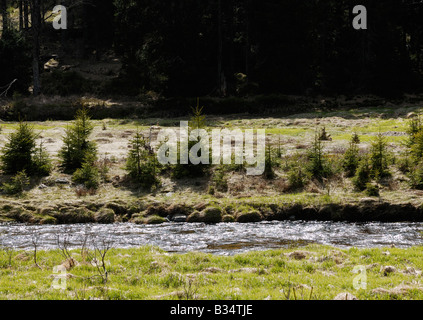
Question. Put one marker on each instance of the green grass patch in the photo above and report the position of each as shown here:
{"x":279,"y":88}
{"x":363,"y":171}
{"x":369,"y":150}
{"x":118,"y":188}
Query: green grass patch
{"x":322,"y":272}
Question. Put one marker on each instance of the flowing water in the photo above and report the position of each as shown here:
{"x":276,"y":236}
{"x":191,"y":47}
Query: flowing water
{"x":222,"y":238}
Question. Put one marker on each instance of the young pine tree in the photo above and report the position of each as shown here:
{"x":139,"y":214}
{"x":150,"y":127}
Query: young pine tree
{"x":379,"y":157}
{"x":41,"y":161}
{"x":141,"y":165}
{"x":351,"y":157}
{"x":22,"y":154}
{"x":268,"y":169}
{"x":414,"y":127}
{"x":362,"y":175}
{"x":76,"y":146}
{"x":416,"y":148}
{"x":197,"y":121}
{"x":318,"y":166}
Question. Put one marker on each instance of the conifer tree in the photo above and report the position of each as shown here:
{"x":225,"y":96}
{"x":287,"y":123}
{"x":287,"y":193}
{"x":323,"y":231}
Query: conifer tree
{"x":22,"y":154}
{"x":77,"y":148}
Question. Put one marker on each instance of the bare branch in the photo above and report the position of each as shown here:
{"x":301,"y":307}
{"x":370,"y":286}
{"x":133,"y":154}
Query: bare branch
{"x":35,"y":239}
{"x":8,"y":86}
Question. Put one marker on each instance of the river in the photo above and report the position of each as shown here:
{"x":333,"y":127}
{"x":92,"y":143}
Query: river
{"x":222,"y":238}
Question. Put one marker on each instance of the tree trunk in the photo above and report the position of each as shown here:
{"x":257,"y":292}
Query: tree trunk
{"x":36,"y":23}
{"x":219,"y":47}
{"x":43,"y":14}
{"x":3,"y":7}
{"x":247,"y":39}
{"x":25,"y":13}
{"x":21,"y":23}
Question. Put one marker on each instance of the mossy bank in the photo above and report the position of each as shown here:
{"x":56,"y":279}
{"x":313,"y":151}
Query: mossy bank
{"x":154,"y":212}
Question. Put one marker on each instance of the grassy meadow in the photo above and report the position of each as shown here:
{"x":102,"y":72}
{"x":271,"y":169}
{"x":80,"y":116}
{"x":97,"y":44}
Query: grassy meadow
{"x":309,"y":273}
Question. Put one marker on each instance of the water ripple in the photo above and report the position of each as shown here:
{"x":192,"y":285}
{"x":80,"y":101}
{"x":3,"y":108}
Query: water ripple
{"x":222,"y":238}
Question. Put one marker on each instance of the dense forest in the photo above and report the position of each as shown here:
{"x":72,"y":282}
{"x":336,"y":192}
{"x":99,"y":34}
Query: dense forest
{"x":218,"y":48}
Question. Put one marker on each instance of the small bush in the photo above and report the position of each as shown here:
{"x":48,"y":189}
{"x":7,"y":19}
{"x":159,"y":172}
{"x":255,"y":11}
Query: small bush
{"x":372,"y":190}
{"x":363,"y":175}
{"x":220,"y":180}
{"x":416,"y":177}
{"x":404,"y":163}
{"x":17,"y":185}
{"x":88,"y":176}
{"x":297,"y":178}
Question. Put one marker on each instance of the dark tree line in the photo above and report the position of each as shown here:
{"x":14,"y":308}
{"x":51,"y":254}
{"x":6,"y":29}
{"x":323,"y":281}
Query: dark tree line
{"x":233,"y":47}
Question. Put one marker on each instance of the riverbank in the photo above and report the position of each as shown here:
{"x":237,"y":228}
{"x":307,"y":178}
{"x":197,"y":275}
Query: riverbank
{"x":226,"y":193}
{"x":148,"y":273}
{"x":148,"y":211}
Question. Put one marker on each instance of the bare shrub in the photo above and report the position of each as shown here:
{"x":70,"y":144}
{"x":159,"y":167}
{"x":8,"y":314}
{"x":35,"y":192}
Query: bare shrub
{"x":35,"y":238}
{"x":64,"y":242}
{"x":190,"y":289}
{"x":281,"y":185}
{"x":8,"y":248}
{"x":100,"y":247}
